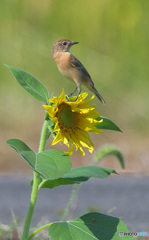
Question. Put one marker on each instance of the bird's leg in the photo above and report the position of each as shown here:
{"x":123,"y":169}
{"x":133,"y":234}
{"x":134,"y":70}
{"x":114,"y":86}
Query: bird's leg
{"x":79,"y":91}
{"x":73,"y":92}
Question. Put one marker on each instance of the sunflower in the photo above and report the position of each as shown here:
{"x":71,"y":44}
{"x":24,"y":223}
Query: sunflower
{"x":73,"y":120}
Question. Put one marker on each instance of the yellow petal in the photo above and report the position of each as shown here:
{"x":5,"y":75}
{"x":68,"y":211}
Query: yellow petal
{"x":86,"y":102}
{"x":56,"y":128}
{"x":62,"y":96}
{"x":92,"y":114}
{"x":65,"y":141}
{"x":57,"y":139}
{"x":91,"y":150}
{"x":82,"y":96}
{"x":70,"y":152}
{"x":50,"y":110}
{"x":81,"y":151}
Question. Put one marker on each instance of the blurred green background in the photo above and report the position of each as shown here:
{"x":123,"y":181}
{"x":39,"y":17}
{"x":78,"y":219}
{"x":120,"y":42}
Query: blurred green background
{"x":114,"y":47}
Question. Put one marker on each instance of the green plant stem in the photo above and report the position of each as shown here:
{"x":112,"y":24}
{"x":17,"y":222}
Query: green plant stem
{"x":34,"y":193}
{"x":43,"y":138}
{"x":31,"y":207}
{"x":41,"y":184}
{"x":38,"y":230}
{"x":73,"y":194}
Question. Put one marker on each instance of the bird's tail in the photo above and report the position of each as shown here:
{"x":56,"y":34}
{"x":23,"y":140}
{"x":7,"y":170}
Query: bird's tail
{"x":93,"y":89}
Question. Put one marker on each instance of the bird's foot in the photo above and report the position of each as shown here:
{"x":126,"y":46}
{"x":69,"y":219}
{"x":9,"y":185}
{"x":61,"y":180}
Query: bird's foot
{"x":72,"y":92}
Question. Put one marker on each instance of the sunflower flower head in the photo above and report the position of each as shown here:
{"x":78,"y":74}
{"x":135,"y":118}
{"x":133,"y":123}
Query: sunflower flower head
{"x":72,"y":121}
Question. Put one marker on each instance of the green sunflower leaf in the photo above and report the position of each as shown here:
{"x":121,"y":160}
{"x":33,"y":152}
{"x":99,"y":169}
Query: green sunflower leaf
{"x":91,"y":226}
{"x":51,"y":164}
{"x":89,"y":171}
{"x":27,"y":154}
{"x":107,"y":124}
{"x":30,"y":84}
{"x":78,"y":175}
{"x":61,"y":181}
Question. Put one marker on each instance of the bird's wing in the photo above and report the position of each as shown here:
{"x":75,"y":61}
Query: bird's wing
{"x":78,"y":65}
{"x":75,"y":62}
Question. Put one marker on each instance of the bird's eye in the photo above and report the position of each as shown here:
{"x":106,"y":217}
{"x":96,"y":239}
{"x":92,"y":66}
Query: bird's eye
{"x":64,"y":43}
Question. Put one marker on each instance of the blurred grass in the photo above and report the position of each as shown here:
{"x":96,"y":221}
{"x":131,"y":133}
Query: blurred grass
{"x":113,"y":38}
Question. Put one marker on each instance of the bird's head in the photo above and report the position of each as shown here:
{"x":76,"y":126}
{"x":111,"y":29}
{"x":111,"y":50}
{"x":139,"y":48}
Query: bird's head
{"x":62,"y":45}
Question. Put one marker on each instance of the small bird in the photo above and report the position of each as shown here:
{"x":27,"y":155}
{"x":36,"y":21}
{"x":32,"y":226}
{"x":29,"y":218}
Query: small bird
{"x":72,"y":68}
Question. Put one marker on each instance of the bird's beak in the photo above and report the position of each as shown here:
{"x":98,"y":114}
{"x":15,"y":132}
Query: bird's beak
{"x":73,"y":43}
